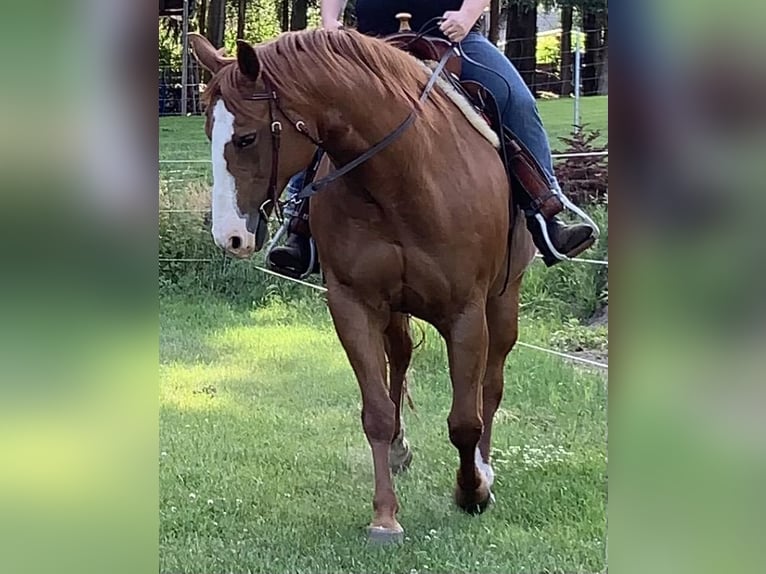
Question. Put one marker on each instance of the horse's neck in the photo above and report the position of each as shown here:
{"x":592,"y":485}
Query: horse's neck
{"x":349,"y":129}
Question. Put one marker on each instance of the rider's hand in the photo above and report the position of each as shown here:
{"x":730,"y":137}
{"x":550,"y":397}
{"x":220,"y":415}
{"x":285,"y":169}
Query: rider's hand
{"x":332,"y":25}
{"x":456,"y":25}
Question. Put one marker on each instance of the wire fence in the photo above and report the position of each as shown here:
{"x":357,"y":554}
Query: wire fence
{"x":322,"y":289}
{"x":555,"y":156}
{"x":187,"y":165}
{"x":547,"y":64}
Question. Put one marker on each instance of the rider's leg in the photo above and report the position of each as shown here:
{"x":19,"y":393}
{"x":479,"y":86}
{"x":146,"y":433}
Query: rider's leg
{"x":520,"y":114}
{"x":295,"y":254}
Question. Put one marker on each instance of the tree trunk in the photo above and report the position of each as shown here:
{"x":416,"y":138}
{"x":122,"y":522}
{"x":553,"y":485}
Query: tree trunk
{"x":566,"y":51}
{"x":591,"y":24}
{"x":201,"y":15}
{"x":494,"y":21}
{"x":603,"y":84}
{"x":603,"y":87}
{"x":299,"y":17}
{"x":216,"y":22}
{"x":284,"y":15}
{"x":241,"y":18}
{"x":521,"y":40}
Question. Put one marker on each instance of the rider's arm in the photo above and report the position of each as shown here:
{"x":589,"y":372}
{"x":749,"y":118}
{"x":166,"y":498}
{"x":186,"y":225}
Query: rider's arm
{"x":331,"y":12}
{"x":474,"y":9}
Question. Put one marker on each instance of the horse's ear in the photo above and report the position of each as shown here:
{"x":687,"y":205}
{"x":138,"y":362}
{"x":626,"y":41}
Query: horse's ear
{"x":206,"y":54}
{"x":247,"y":60}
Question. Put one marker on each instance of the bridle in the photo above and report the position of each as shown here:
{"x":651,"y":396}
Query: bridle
{"x":270,"y":95}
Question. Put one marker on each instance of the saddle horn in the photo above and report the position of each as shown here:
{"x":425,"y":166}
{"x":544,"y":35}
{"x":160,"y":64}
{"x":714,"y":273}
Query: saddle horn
{"x":404,"y":21}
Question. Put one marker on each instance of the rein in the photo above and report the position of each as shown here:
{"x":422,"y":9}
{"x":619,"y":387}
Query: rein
{"x":313,"y":188}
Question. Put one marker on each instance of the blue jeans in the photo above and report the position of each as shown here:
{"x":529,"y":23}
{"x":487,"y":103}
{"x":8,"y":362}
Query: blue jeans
{"x":521,"y":115}
{"x":295,"y":185}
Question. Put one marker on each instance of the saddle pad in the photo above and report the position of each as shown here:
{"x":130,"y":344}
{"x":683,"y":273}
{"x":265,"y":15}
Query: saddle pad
{"x":466,"y":108}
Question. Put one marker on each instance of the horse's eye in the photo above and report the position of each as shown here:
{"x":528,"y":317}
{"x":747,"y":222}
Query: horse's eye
{"x":244,"y":141}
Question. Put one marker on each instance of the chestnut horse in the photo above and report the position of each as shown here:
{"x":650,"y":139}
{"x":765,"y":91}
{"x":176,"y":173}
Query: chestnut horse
{"x":421,"y":228}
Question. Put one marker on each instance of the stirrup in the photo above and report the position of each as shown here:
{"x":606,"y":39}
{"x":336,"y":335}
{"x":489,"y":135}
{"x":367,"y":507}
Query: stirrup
{"x":281,"y":232}
{"x":577,"y":211}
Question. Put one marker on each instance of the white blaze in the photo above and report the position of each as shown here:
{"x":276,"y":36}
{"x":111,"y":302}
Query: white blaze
{"x":227,"y":222}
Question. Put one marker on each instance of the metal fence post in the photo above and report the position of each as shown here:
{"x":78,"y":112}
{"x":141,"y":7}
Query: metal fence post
{"x":576,"y":76}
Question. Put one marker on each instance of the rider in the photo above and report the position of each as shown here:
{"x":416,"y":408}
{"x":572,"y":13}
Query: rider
{"x":460,"y":23}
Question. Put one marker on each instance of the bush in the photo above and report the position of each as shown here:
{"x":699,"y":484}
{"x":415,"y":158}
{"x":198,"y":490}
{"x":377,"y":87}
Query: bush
{"x":573,"y":336}
{"x":585,"y":180}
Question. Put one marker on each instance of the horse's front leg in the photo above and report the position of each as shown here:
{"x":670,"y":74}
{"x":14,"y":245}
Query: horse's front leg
{"x":467,"y":340}
{"x":361,"y":329}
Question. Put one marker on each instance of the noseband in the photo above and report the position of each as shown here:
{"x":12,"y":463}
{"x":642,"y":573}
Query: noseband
{"x":270,"y":95}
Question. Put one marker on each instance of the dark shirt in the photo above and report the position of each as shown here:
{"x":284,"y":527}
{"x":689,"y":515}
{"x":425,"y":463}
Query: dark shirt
{"x":377,"y":17}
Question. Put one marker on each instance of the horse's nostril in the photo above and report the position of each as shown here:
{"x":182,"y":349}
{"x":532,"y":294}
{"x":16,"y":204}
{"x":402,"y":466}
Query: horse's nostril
{"x":236,"y":242}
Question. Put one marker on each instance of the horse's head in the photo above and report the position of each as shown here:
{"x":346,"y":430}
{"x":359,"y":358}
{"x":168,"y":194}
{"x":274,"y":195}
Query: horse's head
{"x":253,"y":156}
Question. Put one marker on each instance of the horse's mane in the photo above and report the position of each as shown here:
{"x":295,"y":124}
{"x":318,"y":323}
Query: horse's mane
{"x":301,"y":64}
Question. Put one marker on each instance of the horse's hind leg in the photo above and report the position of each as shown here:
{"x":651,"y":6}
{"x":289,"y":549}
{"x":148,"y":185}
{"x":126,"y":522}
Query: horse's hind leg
{"x":361,"y":330}
{"x":467,"y":340}
{"x":399,"y":352}
{"x":503,"y":325}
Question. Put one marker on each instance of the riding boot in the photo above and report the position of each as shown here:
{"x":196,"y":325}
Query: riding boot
{"x":541,"y":204}
{"x":293,"y":257}
{"x":569,"y":240}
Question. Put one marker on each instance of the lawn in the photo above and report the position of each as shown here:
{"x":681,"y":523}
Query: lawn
{"x":264,"y":466}
{"x":184,"y":138}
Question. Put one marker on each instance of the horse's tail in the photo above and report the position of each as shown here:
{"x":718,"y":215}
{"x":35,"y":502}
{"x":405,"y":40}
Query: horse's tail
{"x":415,"y":347}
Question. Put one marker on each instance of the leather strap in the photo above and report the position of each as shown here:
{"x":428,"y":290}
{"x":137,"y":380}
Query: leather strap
{"x":276,"y":139}
{"x":315,"y":187}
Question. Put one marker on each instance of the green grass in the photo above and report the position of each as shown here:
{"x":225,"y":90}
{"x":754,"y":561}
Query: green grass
{"x":184,"y":138}
{"x":558,"y":117}
{"x":264,"y":466}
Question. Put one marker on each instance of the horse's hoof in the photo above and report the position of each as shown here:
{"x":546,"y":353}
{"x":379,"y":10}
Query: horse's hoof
{"x":380,"y":535}
{"x":475,"y":502}
{"x":402,"y":463}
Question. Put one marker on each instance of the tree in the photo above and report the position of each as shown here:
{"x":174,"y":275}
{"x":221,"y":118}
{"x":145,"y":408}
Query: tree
{"x":566,"y":50}
{"x":216,"y":22}
{"x":521,"y":38}
{"x":201,"y":16}
{"x":603,"y":87}
{"x":299,"y":16}
{"x":284,"y":15}
{"x":594,"y":25}
{"x":494,"y":21}
{"x":241,"y":18}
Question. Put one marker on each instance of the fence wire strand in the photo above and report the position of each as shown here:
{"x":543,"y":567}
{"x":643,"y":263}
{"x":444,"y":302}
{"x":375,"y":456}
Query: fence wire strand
{"x":321,"y":289}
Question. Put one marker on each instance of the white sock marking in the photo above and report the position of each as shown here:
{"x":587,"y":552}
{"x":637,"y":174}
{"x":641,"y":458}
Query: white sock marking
{"x":484,"y":468}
